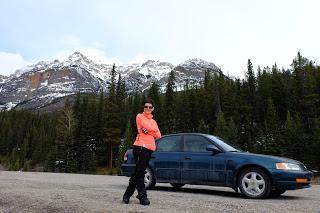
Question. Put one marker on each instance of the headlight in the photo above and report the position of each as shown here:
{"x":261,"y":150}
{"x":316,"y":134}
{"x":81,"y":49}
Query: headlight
{"x":288,"y":166}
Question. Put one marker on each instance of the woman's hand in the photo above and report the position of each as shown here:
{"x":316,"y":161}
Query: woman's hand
{"x":144,"y":130}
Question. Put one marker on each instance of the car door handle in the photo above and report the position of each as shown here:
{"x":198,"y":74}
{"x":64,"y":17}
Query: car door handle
{"x":187,"y":158}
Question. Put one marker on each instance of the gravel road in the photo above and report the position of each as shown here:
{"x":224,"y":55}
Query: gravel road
{"x":59,"y":192}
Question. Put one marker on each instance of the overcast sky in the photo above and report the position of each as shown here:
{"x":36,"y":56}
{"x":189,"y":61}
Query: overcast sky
{"x":226,"y":33}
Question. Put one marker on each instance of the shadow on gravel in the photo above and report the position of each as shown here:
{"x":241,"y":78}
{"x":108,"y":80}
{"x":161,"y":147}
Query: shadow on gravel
{"x":218,"y":193}
{"x":286,"y":197}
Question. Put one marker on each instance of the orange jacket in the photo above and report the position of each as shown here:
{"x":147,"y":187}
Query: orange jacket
{"x":147,"y":140}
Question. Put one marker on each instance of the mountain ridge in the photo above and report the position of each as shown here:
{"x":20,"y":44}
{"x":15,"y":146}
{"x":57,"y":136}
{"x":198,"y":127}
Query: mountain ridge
{"x":34,"y":86}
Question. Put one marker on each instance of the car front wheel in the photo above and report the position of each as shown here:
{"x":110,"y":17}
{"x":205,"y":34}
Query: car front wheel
{"x":254,"y":183}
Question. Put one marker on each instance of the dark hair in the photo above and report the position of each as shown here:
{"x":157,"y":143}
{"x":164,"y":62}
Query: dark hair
{"x":149,"y":101}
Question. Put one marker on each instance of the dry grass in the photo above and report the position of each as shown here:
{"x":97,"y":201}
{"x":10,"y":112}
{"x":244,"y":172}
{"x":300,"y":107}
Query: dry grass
{"x":106,"y":171}
{"x":316,"y":179}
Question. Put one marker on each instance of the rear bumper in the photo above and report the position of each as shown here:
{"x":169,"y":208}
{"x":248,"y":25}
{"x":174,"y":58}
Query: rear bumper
{"x":288,"y":179}
{"x":127,"y":169}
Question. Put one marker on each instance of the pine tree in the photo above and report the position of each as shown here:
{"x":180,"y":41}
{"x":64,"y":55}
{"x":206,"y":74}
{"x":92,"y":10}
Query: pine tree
{"x":269,"y":133}
{"x":112,"y":85}
{"x":293,"y":138}
{"x":136,"y":108}
{"x":154,"y":94}
{"x":185,"y":111}
{"x":78,"y":134}
{"x":170,"y":113}
{"x":251,"y":82}
{"x":100,"y":131}
{"x":250,"y":86}
{"x":120,"y":100}
{"x":23,"y":152}
{"x":203,"y":127}
{"x":193,"y":100}
{"x":221,"y":127}
{"x":232,"y":133}
{"x":113,"y":128}
{"x":65,"y":142}
{"x":126,"y":143}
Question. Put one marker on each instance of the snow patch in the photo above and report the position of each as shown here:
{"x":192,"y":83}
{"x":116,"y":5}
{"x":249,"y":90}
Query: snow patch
{"x":45,"y":83}
{"x":55,"y":95}
{"x":21,"y":89}
{"x":8,"y":106}
{"x":144,"y":71}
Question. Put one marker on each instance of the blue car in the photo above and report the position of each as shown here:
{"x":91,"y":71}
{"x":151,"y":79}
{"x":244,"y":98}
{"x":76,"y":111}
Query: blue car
{"x":202,"y":159}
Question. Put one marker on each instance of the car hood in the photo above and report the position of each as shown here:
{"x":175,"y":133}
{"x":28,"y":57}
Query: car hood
{"x":276,"y":159}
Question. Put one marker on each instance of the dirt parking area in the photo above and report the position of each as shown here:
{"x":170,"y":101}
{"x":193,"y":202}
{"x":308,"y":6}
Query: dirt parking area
{"x":59,"y":192}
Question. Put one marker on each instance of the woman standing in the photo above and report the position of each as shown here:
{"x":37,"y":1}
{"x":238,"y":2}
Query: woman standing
{"x":143,"y":147}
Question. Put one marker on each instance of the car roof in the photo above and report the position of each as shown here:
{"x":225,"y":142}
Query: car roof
{"x":185,"y":133}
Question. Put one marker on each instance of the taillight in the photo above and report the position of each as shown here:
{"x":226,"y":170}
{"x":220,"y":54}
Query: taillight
{"x":125,"y":157}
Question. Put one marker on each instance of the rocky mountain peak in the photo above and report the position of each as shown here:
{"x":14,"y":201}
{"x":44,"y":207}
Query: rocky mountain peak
{"x":198,"y":64}
{"x":44,"y":83}
{"x":155,"y":63}
{"x":77,"y":56}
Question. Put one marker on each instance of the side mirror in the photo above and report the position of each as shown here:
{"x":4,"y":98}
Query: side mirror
{"x":213,"y":148}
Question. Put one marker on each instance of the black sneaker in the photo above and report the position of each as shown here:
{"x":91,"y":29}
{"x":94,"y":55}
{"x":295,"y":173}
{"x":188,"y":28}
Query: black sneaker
{"x":143,"y":200}
{"x":126,"y":199}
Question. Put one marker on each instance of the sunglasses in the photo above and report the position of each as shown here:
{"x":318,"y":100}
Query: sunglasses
{"x":148,"y":107}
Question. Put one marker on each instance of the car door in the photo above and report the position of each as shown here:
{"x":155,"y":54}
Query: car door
{"x":195,"y":160}
{"x":200,"y":166}
{"x":166,"y":159}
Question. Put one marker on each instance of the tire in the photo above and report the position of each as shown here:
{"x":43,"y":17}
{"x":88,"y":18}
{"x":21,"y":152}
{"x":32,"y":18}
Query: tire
{"x":149,"y":179}
{"x":277,"y":192}
{"x":177,"y":185}
{"x":254,"y":183}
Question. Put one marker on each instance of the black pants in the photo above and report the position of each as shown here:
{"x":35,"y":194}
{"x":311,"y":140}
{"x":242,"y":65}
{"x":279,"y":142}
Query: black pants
{"x":141,"y":157}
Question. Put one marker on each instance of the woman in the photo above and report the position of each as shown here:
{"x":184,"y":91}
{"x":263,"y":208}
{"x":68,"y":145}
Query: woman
{"x":143,"y":147}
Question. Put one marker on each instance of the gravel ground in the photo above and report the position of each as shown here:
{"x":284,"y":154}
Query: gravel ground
{"x":59,"y":192}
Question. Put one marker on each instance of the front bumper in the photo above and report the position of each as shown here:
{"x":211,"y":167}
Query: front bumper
{"x":291,"y":180}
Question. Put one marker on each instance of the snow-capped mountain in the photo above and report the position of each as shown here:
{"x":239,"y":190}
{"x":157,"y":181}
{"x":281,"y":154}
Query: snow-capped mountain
{"x":39,"y":85}
{"x":192,"y":71}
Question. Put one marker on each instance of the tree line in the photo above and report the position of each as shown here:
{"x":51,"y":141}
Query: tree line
{"x":271,"y":111}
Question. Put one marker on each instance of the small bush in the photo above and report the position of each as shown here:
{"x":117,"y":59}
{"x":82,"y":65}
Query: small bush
{"x":27,"y":165}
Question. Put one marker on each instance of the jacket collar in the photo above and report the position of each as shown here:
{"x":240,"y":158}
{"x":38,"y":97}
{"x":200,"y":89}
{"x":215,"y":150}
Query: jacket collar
{"x":149,"y":116}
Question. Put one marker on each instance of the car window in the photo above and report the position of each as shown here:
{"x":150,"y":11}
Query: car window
{"x":226,"y":145}
{"x":195,"y":143}
{"x":169,"y":144}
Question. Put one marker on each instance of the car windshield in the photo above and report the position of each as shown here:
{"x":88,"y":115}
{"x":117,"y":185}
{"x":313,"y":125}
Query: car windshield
{"x":227,"y":146}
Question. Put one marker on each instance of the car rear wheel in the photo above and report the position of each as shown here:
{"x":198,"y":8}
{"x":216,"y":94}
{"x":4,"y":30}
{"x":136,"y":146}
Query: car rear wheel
{"x":254,"y":183}
{"x":149,"y":179}
{"x":177,"y":185}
